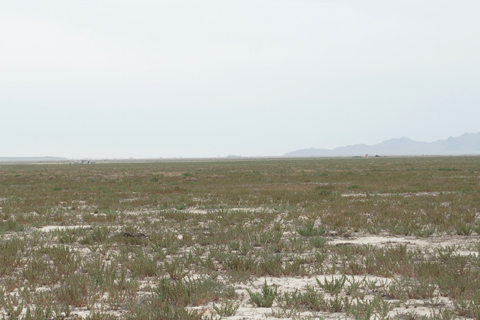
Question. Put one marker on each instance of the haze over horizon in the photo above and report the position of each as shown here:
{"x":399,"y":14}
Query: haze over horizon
{"x":466,"y":144}
{"x":182,"y":78}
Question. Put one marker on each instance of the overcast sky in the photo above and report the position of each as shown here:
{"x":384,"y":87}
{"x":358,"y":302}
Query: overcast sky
{"x":190,"y":78}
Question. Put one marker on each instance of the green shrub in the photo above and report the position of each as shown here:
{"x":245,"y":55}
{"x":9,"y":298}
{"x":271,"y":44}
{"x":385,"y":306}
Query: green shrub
{"x":228,"y":309}
{"x":311,"y":300}
{"x":265,"y":298}
{"x":194,"y":292}
{"x":10,"y":225}
{"x":309,"y":230}
{"x":334,"y":286}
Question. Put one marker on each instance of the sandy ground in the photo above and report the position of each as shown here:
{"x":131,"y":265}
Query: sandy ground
{"x":412,"y":242}
{"x":61,"y":228}
{"x":289,"y":284}
{"x":405,"y":194}
{"x":464,"y":245}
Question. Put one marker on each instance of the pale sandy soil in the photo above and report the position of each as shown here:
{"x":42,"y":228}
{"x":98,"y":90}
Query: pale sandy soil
{"x":289,"y":284}
{"x":411,"y":242}
{"x":198,"y":210}
{"x":205,"y":211}
{"x":405,"y":194}
{"x":61,"y":228}
{"x":464,"y":246}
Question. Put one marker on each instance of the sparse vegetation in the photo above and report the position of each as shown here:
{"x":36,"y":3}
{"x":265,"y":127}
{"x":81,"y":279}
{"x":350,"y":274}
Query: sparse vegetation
{"x":376,"y":238}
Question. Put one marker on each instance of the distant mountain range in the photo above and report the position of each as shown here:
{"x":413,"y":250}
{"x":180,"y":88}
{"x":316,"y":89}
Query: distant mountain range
{"x":15,"y":159}
{"x":466,"y":144}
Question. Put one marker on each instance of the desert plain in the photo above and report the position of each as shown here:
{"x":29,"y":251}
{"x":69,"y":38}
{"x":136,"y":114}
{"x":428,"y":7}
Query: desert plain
{"x":312,"y":238}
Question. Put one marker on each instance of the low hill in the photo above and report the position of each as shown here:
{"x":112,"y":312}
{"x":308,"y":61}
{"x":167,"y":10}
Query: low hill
{"x":466,"y":144}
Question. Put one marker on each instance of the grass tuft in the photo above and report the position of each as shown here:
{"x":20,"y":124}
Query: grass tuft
{"x":265,"y":298}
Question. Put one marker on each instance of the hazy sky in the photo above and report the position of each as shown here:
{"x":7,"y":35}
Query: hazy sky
{"x":187,"y":78}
